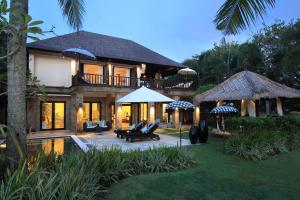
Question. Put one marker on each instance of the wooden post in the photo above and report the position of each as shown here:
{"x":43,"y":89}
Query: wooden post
{"x":268,"y":109}
{"x":257,"y":107}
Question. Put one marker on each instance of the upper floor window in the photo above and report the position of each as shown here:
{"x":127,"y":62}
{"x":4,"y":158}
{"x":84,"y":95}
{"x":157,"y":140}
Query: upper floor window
{"x":93,"y":73}
{"x":121,"y":76}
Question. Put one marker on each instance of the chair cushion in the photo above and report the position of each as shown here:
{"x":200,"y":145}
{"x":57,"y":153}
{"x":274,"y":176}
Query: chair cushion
{"x":89,"y":124}
{"x":132,"y":127}
{"x":102,"y":123}
{"x":144,"y":129}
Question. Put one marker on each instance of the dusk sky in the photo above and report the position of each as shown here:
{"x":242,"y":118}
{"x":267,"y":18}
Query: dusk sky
{"x":177,"y":29}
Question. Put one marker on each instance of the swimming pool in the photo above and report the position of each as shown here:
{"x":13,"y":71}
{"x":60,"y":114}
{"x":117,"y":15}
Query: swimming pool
{"x":58,"y":146}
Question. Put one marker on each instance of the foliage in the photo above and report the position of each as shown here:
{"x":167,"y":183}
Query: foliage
{"x":84,"y":176}
{"x":236,"y":15}
{"x":280,"y":45}
{"x":226,"y":59}
{"x":273,"y":52}
{"x":284,"y":123}
{"x":6,"y":130}
{"x":114,"y":165}
{"x":203,"y":88}
{"x":260,"y":145}
{"x":263,"y":137}
{"x":74,"y":11}
{"x":73,"y":177}
{"x":28,"y":26}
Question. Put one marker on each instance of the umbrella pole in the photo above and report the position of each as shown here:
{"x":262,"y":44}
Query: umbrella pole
{"x":180,"y":134}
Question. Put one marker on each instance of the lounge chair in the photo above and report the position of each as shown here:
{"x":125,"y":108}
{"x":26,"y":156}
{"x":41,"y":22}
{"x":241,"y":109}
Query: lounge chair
{"x":133,"y":128}
{"x":96,"y":126}
{"x":145,"y":133}
{"x":90,"y":126}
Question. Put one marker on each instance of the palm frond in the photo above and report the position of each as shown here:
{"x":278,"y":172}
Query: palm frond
{"x":236,"y":15}
{"x":73,"y":10}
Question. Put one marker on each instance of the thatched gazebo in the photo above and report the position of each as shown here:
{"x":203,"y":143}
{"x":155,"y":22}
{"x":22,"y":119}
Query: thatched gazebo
{"x":248,"y":87}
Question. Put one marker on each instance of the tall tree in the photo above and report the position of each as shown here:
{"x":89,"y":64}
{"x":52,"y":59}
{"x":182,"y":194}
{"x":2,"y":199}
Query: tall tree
{"x":236,"y":15}
{"x":73,"y":10}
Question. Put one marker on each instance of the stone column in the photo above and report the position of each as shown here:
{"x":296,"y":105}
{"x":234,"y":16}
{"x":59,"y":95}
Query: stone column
{"x":106,"y":109}
{"x":158,"y":111}
{"x":76,"y":113}
{"x":134,"y":114}
{"x":196,"y":115}
{"x":243,"y":107}
{"x":118,"y":110}
{"x":279,"y":106}
{"x":251,"y":108}
{"x":138,"y":75}
{"x":268,"y":107}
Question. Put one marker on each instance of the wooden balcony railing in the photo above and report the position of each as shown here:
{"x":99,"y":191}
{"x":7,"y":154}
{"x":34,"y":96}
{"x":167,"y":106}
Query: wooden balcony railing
{"x":190,"y":83}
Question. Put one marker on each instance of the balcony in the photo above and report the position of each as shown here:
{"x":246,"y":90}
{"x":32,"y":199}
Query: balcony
{"x":189,"y":83}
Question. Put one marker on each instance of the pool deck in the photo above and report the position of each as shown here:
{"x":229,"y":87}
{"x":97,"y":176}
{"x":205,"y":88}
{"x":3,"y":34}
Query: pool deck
{"x":108,"y":139}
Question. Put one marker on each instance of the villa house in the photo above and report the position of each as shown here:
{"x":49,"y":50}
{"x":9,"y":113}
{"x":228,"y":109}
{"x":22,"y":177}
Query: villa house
{"x":81,"y":90}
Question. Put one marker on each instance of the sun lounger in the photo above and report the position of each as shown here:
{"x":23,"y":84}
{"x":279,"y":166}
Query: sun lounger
{"x":133,"y":128}
{"x":145,"y":133}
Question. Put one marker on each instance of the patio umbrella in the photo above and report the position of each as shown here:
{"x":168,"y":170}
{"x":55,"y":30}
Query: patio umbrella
{"x":187,"y":71}
{"x":143,"y":95}
{"x":223,"y":110}
{"x":181,"y":106}
{"x":79,"y":53}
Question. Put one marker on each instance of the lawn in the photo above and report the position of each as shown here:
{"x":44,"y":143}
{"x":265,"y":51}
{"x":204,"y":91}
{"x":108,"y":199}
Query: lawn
{"x":218,"y":176}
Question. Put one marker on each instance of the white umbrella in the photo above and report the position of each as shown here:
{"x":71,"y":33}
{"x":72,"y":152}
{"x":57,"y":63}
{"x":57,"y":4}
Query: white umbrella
{"x":79,"y":53}
{"x":187,"y":71}
{"x":144,"y":94}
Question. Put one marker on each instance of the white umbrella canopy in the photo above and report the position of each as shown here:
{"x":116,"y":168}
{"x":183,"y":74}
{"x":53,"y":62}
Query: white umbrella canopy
{"x":80,"y":53}
{"x":142,"y":95}
{"x":187,"y":71}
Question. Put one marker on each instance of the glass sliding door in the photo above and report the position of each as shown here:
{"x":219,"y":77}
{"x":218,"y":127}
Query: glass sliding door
{"x":47,"y":119}
{"x":59,"y":117}
{"x":95,"y":112}
{"x":91,"y":111}
{"x":126,"y":116}
{"x":53,"y":115}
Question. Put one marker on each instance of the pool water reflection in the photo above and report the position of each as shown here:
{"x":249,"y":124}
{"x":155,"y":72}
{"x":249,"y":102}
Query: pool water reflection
{"x":57,"y":146}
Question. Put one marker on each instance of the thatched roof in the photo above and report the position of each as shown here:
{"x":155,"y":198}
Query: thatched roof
{"x":104,"y":46}
{"x":247,"y":85}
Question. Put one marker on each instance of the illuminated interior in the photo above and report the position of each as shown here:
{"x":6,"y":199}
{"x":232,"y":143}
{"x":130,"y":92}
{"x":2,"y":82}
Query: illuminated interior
{"x":53,"y":115}
{"x":86,"y":111}
{"x":46,"y":116}
{"x":126,"y":116}
{"x":56,"y":147}
{"x":91,"y":111}
{"x":143,"y":111}
{"x":93,"y":69}
{"x":59,"y":117}
{"x":120,"y":75}
{"x":95,"y":111}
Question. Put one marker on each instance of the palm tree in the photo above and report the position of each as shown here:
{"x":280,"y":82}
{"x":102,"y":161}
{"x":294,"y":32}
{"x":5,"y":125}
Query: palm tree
{"x":236,"y":15}
{"x":73,"y":10}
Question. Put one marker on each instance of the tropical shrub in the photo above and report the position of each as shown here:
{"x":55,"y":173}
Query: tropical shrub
{"x":284,"y":123}
{"x":70,"y":177}
{"x":84,"y":176}
{"x":263,"y":136}
{"x":114,"y":165}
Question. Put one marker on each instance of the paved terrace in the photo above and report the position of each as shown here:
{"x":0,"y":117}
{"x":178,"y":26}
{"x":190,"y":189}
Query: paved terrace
{"x":108,"y":139}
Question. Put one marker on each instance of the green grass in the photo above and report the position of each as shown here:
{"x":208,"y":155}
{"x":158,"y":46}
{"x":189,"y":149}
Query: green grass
{"x":173,"y":132}
{"x":218,"y":176}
